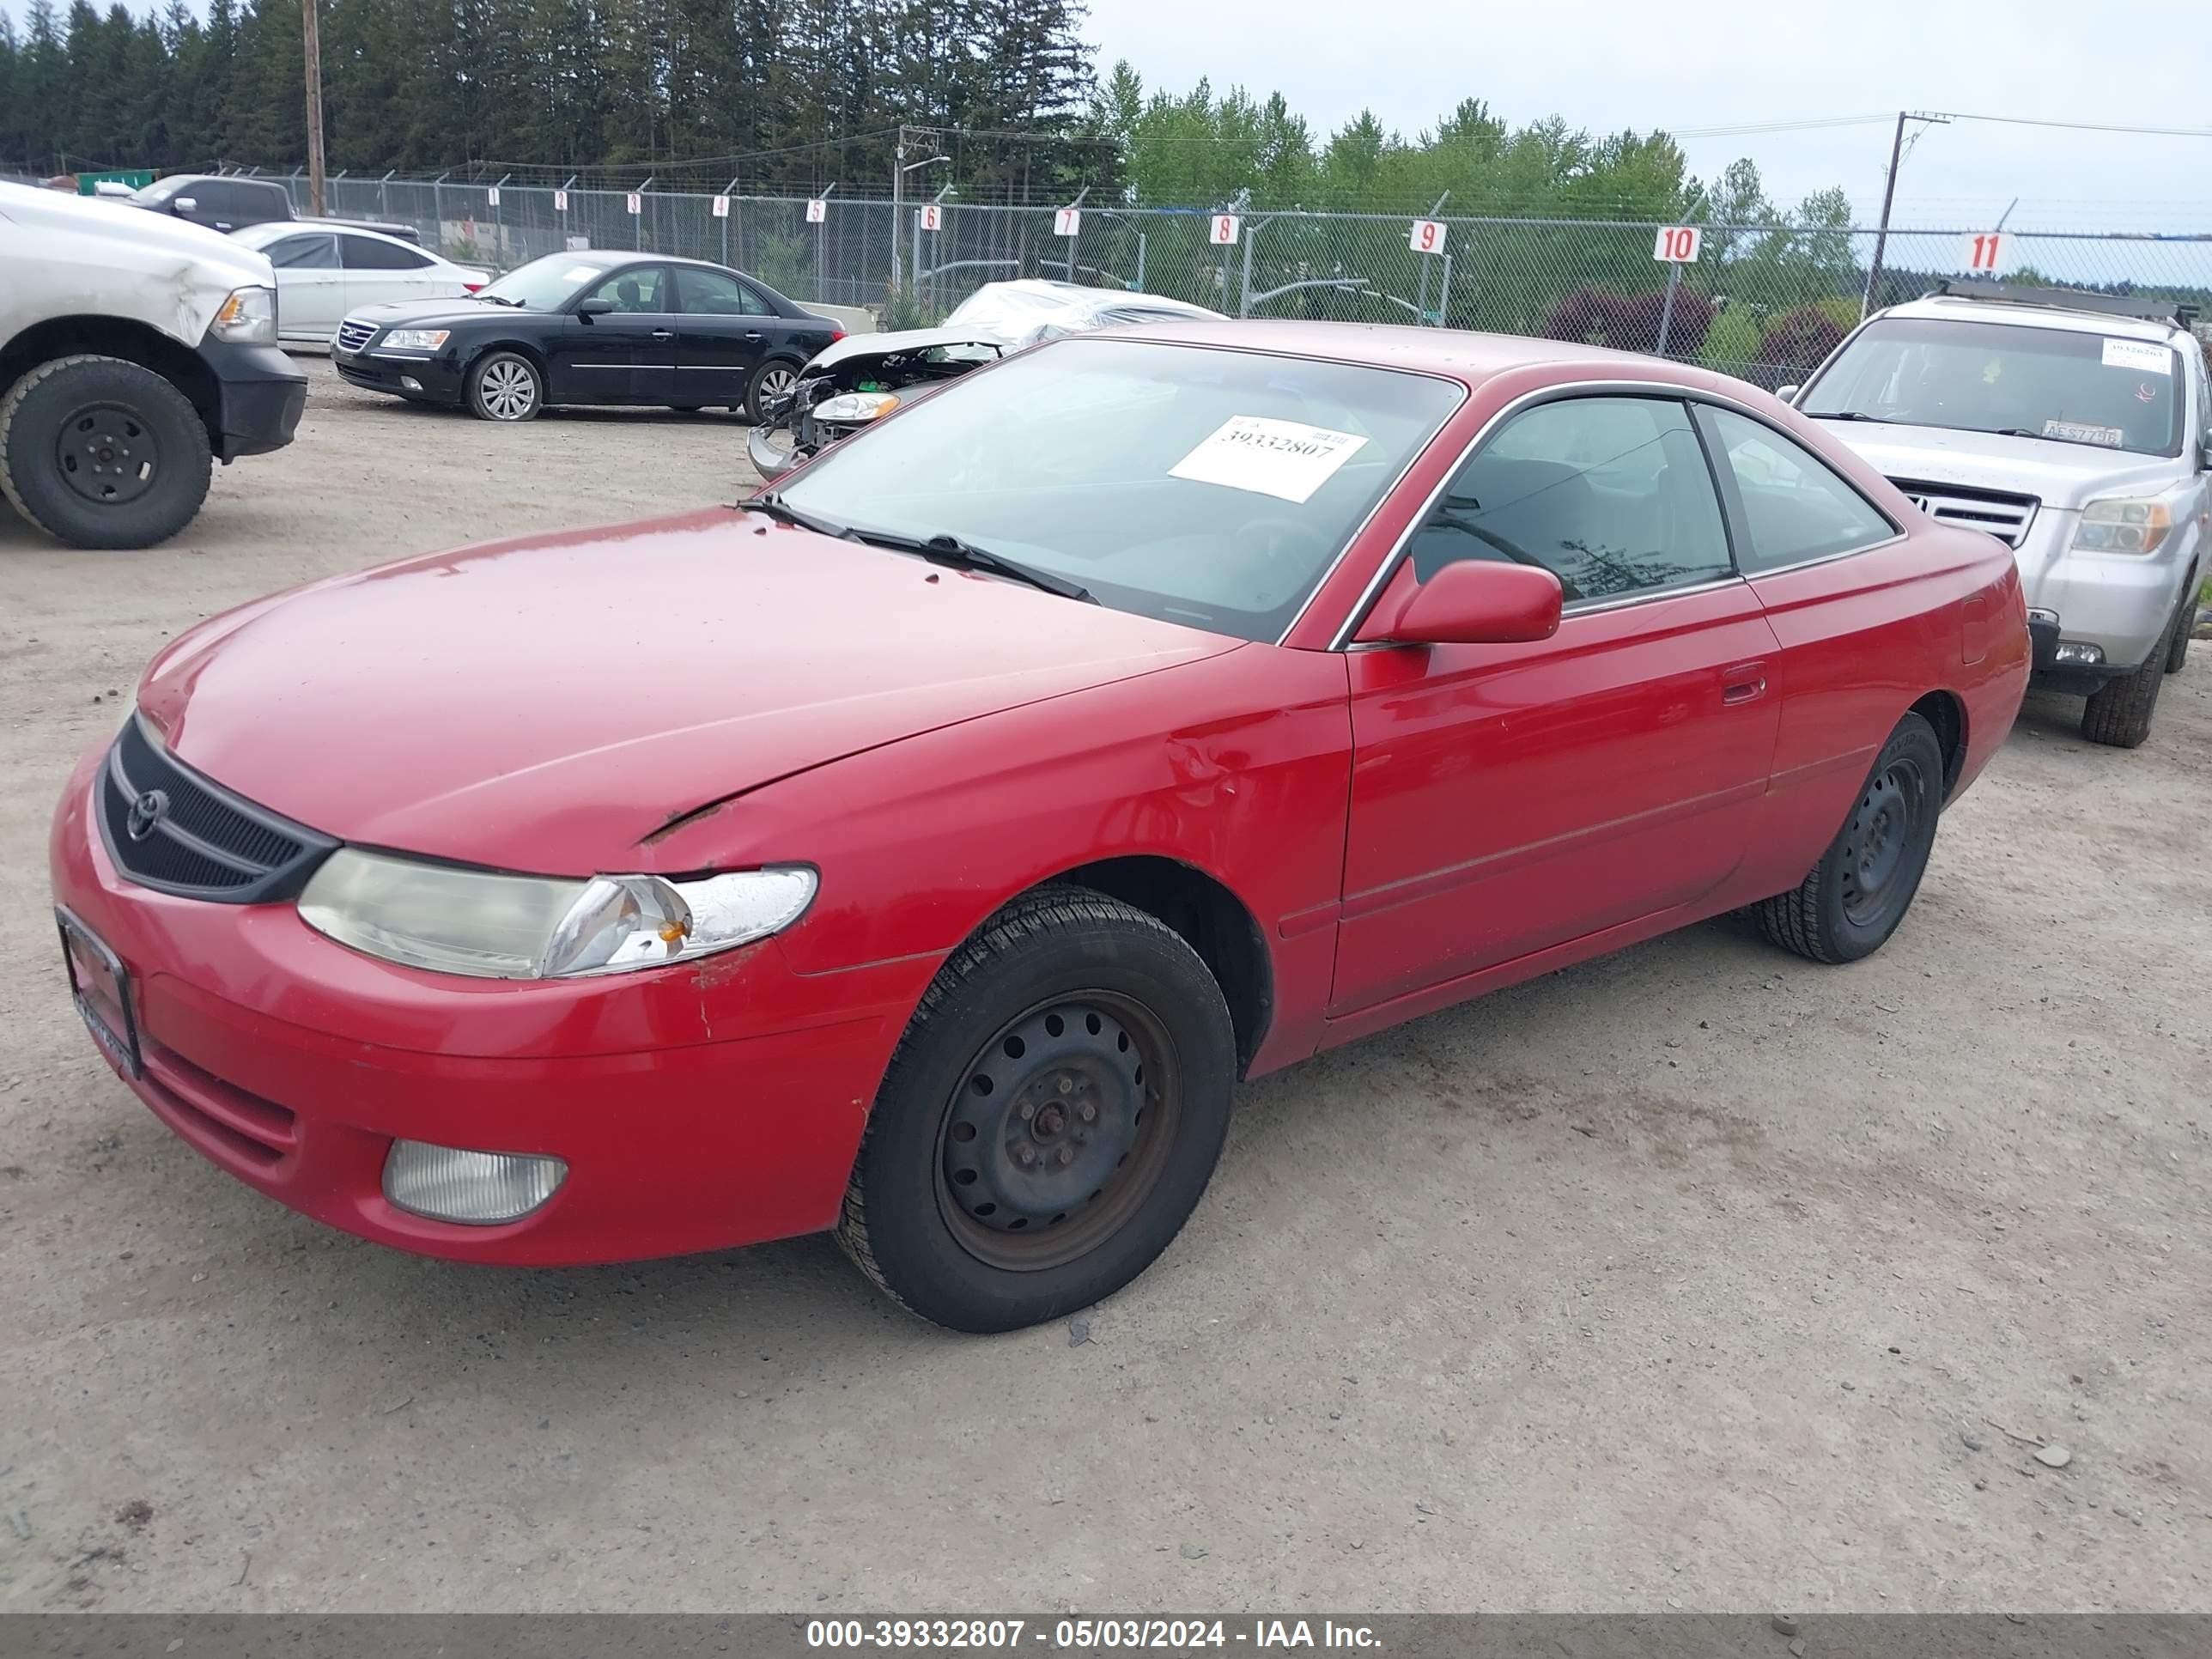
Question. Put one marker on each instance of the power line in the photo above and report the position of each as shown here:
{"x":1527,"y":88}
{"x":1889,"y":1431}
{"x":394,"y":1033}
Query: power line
{"x":2089,"y":126}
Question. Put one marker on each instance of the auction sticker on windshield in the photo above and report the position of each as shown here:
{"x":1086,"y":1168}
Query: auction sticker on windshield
{"x":2138,"y":354}
{"x":1283,"y":459}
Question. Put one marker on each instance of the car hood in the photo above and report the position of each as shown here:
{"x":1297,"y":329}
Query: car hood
{"x":414,"y":312}
{"x":2059,"y":475}
{"x":547,"y":703}
{"x":904,"y":339}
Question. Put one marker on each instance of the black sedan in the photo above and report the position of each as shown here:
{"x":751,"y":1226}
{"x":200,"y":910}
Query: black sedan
{"x":587,"y":328}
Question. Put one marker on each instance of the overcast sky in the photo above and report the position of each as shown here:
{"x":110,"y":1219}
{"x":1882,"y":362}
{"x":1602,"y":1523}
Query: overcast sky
{"x":1606,"y":64}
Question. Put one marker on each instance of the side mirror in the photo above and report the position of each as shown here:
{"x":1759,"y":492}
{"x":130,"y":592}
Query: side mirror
{"x":590,"y":308}
{"x":1473,"y":602}
{"x":1787,"y":393}
{"x":185,"y":203}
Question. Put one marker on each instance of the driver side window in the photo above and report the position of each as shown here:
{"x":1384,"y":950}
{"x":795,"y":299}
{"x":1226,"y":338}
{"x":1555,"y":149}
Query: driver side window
{"x":1610,"y":495}
{"x":635,"y":289}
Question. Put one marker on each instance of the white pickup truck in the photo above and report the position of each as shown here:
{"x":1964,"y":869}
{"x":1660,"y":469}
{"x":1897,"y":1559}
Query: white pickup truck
{"x":135,"y":351}
{"x":2075,"y":427}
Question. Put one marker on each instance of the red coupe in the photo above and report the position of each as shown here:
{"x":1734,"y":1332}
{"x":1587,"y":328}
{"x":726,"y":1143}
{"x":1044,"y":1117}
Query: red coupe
{"x":924,"y":850}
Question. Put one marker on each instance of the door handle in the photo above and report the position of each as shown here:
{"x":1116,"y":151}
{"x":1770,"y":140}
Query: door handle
{"x":1744,"y":682}
{"x":755,"y":335}
{"x":664,"y":334}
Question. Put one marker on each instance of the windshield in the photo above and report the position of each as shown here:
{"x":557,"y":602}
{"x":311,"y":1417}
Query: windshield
{"x":160,"y":192}
{"x":544,"y":284}
{"x":1194,"y":484}
{"x":2059,"y":384}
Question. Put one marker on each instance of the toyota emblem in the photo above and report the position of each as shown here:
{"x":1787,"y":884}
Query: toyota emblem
{"x":148,"y":809}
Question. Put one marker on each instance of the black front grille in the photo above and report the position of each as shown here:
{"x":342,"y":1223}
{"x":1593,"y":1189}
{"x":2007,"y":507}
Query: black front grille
{"x":352,"y":336}
{"x":168,"y":828}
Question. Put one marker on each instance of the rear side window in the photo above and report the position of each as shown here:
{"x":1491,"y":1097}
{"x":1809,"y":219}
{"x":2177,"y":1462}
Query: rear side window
{"x":366,"y":253}
{"x":1795,"y":508}
{"x":712,"y":294}
{"x":305,"y":253}
{"x":1611,"y":494}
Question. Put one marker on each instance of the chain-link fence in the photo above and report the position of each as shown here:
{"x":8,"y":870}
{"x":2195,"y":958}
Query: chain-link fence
{"x":1762,"y":301}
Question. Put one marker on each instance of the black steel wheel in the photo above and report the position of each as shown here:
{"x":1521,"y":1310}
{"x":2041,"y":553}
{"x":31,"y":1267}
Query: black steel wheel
{"x":1050,"y":1119}
{"x":102,"y":453}
{"x":1857,"y":894}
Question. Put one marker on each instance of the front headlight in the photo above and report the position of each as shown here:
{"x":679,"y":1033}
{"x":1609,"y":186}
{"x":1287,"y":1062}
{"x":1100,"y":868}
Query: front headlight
{"x":494,"y":925}
{"x":247,"y":316}
{"x":415,"y":339}
{"x":854,"y":408}
{"x":2122,"y":527}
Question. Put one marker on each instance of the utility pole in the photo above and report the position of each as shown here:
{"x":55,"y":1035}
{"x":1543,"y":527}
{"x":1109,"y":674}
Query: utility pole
{"x":311,"y":38}
{"x":898,"y":197}
{"x":1888,"y":196}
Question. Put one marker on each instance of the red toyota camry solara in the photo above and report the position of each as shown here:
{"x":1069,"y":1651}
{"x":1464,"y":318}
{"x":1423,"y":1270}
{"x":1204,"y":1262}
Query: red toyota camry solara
{"x":924,"y":851}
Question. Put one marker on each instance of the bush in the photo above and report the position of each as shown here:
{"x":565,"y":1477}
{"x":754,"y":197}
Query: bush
{"x":1798,"y":341}
{"x":1629,"y":322}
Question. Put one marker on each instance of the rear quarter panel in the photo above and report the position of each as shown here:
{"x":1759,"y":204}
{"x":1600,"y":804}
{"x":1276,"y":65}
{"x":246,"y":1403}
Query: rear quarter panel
{"x":1866,"y":636}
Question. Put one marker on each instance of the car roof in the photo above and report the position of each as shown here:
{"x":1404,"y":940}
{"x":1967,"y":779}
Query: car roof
{"x":2018,"y":313}
{"x":1456,"y":354}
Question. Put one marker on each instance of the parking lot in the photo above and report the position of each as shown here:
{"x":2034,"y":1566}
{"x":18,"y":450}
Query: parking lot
{"x":1699,"y":1276}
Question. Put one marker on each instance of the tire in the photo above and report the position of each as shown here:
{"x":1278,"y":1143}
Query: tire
{"x":771,"y":376}
{"x":1859,"y":892}
{"x":2177,"y":652}
{"x":101,"y":452}
{"x":506,"y":386}
{"x":2119,"y":715}
{"x":1065,"y":996}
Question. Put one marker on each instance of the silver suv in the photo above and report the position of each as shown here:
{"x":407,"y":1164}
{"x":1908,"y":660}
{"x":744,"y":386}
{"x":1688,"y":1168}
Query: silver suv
{"x":2075,"y":427}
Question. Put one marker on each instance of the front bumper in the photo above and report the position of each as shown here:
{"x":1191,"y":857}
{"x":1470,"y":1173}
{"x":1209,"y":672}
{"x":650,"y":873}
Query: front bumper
{"x":260,"y":397}
{"x":437,"y":379}
{"x":697,"y":1107}
{"x":2120,"y":603}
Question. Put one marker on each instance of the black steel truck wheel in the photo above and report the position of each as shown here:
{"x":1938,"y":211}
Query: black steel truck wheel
{"x":101,"y":452}
{"x":1050,"y":1120}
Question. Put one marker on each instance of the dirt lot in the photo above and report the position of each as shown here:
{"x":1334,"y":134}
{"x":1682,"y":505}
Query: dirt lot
{"x":1698,"y":1277}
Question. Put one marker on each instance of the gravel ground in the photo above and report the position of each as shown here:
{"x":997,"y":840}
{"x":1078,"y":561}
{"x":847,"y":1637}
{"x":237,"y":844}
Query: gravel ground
{"x":1699,"y":1276}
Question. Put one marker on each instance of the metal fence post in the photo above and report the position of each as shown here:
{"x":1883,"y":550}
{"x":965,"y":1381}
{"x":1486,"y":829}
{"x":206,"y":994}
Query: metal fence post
{"x":1666,"y":308}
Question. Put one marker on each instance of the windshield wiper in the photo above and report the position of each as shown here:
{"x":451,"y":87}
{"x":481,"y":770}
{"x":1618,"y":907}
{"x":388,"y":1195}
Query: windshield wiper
{"x":774,"y":507}
{"x":966,"y":555}
{"x":1848,"y":415}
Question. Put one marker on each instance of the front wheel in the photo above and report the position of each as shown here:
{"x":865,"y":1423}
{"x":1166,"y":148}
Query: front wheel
{"x":2119,"y":712}
{"x":101,"y":452}
{"x":1859,"y":892}
{"x":505,"y":385}
{"x":1050,"y":1120}
{"x":770,"y":379}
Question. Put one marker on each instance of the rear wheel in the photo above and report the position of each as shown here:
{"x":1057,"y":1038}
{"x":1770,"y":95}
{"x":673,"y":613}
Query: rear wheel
{"x":101,"y":452}
{"x":1857,"y":894}
{"x":770,"y":380}
{"x":1049,"y":1121}
{"x":505,"y":385}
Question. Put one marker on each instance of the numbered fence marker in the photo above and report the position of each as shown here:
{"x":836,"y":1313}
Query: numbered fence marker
{"x":560,"y":201}
{"x":1226,"y":229}
{"x":817,"y":209}
{"x":491,"y":196}
{"x":1067,"y":221}
{"x":636,"y":203}
{"x":1980,"y":253}
{"x":1677,"y":245}
{"x":1427,"y":236}
{"x":721,"y":207}
{"x":930,"y":216}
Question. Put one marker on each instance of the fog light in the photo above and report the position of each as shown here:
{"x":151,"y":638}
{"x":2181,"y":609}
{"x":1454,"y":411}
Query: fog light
{"x":410,"y":383}
{"x":2074,"y":651}
{"x":448,"y":1184}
